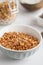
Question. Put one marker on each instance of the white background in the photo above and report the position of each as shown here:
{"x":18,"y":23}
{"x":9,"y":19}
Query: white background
{"x":27,"y":18}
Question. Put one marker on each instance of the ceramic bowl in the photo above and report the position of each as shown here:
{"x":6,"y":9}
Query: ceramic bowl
{"x":20,"y":54}
{"x":39,"y":19}
{"x":30,"y":6}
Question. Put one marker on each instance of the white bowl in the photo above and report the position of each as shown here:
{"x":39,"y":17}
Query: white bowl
{"x":39,"y":19}
{"x":20,"y":54}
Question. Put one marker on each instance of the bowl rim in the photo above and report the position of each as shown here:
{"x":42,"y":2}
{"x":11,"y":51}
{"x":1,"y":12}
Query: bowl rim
{"x":27,"y":49}
{"x":34,"y":3}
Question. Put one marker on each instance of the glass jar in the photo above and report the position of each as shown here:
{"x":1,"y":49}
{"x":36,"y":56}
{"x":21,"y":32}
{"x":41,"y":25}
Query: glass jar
{"x":8,"y":11}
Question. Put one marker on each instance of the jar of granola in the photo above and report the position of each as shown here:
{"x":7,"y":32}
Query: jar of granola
{"x":8,"y":11}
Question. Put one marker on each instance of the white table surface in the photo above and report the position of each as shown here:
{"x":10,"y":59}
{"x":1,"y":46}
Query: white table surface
{"x":27,"y":18}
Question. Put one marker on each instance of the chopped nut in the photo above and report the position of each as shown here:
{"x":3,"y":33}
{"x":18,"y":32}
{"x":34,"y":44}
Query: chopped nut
{"x":21,"y":43}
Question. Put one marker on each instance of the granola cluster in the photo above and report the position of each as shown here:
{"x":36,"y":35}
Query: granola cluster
{"x":18,"y":41}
